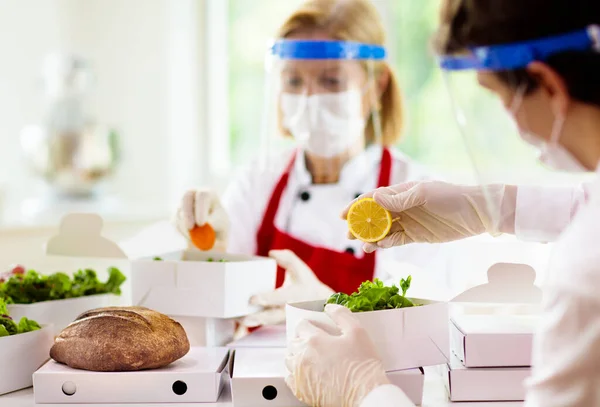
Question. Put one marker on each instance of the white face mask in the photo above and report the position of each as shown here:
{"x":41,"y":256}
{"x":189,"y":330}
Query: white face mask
{"x":325,"y":124}
{"x":551,"y":153}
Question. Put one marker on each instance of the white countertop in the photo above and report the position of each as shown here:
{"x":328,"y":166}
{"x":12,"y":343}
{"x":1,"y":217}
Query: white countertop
{"x":434,"y":396}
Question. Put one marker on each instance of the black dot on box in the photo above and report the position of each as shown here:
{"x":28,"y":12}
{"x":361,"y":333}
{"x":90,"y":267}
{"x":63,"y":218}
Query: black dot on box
{"x":269,"y":393}
{"x":179,"y":387}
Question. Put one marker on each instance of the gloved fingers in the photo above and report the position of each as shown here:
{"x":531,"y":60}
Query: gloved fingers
{"x":187,"y":210}
{"x":295,"y":268}
{"x":272,"y":316}
{"x":394,"y":240}
{"x":342,"y":317}
{"x":290,"y":381}
{"x":396,"y":228}
{"x":203,"y":202}
{"x":219,"y":220}
{"x":306,"y":330}
{"x":290,"y":362}
{"x":370,"y":247}
{"x":275,"y":298}
{"x":401,"y":201}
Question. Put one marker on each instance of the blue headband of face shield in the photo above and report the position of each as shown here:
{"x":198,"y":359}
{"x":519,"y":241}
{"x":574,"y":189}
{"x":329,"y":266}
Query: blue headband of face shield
{"x":305,"y":49}
{"x":519,"y":55}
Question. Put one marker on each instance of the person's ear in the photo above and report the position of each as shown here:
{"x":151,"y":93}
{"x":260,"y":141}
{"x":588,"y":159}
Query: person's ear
{"x":552,"y":85}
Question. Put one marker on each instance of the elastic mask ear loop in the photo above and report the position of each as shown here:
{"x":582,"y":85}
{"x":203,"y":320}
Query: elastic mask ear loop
{"x":516,"y":105}
{"x":557,"y":127}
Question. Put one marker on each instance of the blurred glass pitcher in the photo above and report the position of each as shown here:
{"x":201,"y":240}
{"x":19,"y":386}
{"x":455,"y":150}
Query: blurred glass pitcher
{"x":69,"y":148}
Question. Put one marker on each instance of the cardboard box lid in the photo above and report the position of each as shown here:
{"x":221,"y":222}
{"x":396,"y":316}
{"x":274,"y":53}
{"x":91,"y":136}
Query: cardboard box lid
{"x":80,"y":235}
{"x":456,"y":366}
{"x":496,"y":324}
{"x":197,"y":360}
{"x":265,"y":337}
{"x":508,"y":283}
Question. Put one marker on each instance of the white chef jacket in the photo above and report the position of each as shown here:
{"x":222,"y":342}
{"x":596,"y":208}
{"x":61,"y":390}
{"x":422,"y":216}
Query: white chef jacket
{"x":566,"y":354}
{"x":311,"y":213}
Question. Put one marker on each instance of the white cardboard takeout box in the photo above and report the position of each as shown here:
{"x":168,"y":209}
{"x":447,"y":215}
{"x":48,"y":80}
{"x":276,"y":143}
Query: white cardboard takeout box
{"x":493,"y":340}
{"x":204,"y":296}
{"x":258,"y":379}
{"x":424,"y":330}
{"x":485,"y":384}
{"x":21,"y":355}
{"x":77,"y":245}
{"x":198,"y":377}
{"x":197,"y":284}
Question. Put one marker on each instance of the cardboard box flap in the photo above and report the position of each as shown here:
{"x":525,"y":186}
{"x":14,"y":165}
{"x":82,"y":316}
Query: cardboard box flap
{"x":80,"y":235}
{"x":510,"y":283}
{"x":496,"y":324}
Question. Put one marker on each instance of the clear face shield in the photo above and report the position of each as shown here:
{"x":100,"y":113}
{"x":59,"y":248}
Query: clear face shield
{"x":511,"y":136}
{"x":321,"y":102}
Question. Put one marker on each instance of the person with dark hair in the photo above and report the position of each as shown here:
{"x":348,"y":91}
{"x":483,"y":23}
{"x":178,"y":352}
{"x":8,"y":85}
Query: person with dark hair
{"x":541,"y":59}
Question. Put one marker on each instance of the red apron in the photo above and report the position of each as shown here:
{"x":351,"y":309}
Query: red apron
{"x":341,"y":271}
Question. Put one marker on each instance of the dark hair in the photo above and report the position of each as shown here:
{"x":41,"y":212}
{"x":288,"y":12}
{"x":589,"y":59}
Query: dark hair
{"x":471,"y":23}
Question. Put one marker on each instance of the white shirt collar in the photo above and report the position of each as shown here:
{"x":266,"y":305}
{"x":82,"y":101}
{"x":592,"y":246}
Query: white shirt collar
{"x":353,"y":173}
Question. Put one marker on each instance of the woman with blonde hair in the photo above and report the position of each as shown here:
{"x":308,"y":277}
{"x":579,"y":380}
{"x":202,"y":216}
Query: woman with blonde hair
{"x":336,"y":97}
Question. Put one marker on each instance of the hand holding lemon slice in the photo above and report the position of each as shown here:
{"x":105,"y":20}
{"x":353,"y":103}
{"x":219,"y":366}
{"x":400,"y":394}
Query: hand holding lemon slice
{"x":368,"y":221}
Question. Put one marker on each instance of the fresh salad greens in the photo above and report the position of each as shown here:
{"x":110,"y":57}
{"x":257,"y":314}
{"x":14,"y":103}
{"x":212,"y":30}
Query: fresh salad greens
{"x":374,"y":296}
{"x":31,"y":287}
{"x":9,"y":327}
{"x":210,"y":259}
{"x":157,"y":258}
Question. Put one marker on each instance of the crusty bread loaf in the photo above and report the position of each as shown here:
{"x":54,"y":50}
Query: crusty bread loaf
{"x":115,"y":339}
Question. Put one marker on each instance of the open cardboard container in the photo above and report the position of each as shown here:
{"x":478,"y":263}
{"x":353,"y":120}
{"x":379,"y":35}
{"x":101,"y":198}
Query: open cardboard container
{"x":258,"y":379}
{"x":204,"y":296}
{"x":493,"y":340}
{"x":485,"y":384}
{"x":78,"y":245}
{"x":415,"y":337}
{"x":21,"y":355}
{"x":198,"y":377}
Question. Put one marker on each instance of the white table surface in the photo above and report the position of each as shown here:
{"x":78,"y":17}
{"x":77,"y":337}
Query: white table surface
{"x":434,"y":396}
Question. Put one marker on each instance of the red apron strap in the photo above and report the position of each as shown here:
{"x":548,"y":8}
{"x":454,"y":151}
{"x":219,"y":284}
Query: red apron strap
{"x":266,"y":231}
{"x":385,"y":170}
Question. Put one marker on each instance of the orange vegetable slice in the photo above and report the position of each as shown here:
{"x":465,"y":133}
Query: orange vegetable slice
{"x":203,"y":237}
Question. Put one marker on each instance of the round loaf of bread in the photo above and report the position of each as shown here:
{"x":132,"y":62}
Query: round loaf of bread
{"x":117,"y":339}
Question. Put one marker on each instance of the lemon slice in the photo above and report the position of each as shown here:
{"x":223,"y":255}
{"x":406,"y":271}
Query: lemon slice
{"x":368,"y":221}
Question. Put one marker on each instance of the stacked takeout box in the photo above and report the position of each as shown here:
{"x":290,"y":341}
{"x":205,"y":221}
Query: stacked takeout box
{"x":491,"y":343}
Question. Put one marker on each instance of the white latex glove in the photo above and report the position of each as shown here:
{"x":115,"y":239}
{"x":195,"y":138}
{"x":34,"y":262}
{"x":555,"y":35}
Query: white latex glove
{"x":438,"y":212}
{"x":199,"y":207}
{"x":300,"y":284}
{"x":333,"y":370}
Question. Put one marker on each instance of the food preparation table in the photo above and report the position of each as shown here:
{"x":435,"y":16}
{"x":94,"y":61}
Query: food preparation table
{"x":434,"y":396}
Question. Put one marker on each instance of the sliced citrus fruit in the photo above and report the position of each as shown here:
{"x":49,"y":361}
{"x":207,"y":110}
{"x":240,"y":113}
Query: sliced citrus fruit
{"x":203,"y":237}
{"x":368,"y":221}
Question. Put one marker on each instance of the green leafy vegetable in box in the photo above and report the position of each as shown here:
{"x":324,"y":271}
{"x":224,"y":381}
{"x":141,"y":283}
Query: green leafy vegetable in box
{"x":374,"y":296}
{"x":9,"y":327}
{"x":31,"y":287}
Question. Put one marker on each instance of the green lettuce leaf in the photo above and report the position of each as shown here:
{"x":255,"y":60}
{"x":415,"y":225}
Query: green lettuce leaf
{"x":27,"y":325}
{"x":374,"y":296}
{"x":33,"y":287}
